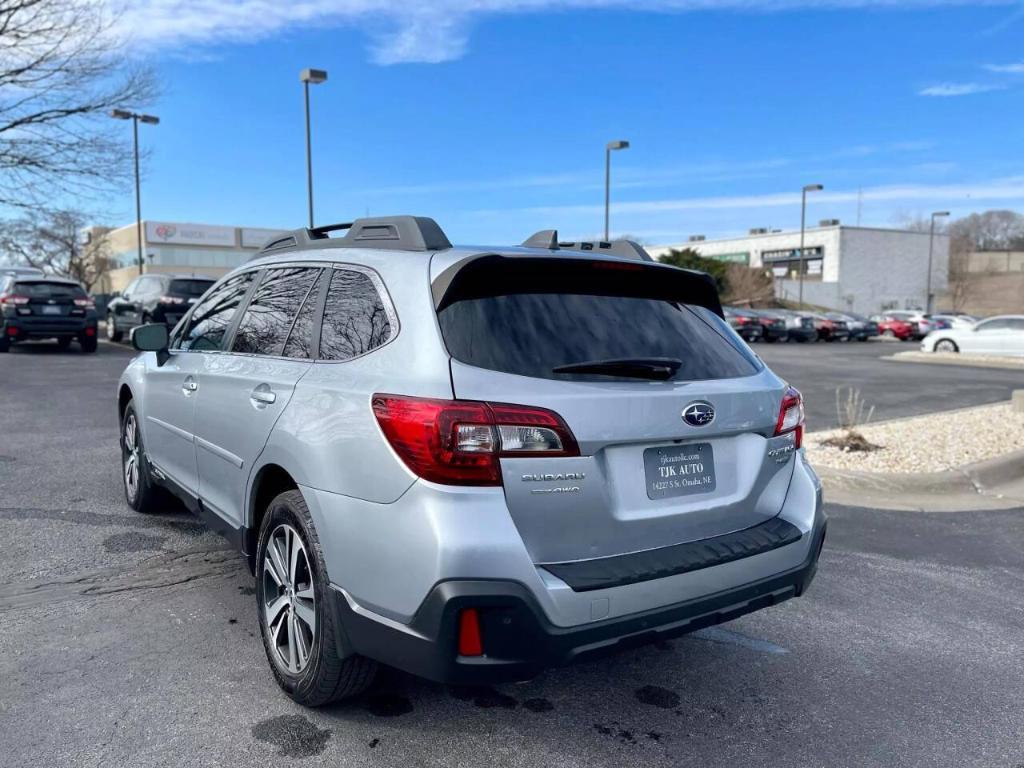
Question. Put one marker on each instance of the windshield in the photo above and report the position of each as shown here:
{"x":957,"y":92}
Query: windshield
{"x":191,"y":288}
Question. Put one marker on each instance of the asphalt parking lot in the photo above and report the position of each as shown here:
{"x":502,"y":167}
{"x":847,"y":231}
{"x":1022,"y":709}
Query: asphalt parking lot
{"x":130,"y":640}
{"x":894,"y":389}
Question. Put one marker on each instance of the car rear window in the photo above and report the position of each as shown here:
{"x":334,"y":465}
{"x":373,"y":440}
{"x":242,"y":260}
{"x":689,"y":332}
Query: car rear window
{"x":191,"y":288}
{"x":530,"y":316}
{"x":44,"y":290}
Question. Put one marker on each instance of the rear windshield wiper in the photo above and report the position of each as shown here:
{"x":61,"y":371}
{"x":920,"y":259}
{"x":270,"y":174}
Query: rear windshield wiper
{"x":656,"y":368}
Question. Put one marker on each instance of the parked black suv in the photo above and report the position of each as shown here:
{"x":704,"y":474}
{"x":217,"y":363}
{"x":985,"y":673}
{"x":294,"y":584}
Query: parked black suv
{"x":46,"y":308}
{"x":153,"y":299}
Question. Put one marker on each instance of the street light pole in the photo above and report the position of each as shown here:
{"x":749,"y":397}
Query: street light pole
{"x":803,"y":229}
{"x":931,"y":247}
{"x":307,"y":76}
{"x":612,"y":145}
{"x":136,"y":118}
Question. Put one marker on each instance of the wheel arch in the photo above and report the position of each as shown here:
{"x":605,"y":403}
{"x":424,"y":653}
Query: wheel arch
{"x":270,"y":480}
{"x":124,"y":396}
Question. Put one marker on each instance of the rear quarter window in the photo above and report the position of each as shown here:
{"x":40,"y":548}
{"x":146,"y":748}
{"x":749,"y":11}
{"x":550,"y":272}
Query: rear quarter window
{"x":190,"y":288}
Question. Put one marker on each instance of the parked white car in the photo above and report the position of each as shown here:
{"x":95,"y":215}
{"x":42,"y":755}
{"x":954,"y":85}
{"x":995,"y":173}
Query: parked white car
{"x":1002,"y":336}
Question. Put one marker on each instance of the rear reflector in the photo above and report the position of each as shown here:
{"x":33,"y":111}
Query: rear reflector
{"x":460,"y":442}
{"x":90,"y":331}
{"x":470,"y":642}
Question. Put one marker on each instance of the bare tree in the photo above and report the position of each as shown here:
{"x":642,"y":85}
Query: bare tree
{"x":989,"y":231}
{"x":748,"y":286}
{"x":61,"y":72}
{"x":961,"y":286}
{"x":54,"y":242}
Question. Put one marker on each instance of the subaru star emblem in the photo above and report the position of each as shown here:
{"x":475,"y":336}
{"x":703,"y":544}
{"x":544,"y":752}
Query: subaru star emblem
{"x":699,"y":414}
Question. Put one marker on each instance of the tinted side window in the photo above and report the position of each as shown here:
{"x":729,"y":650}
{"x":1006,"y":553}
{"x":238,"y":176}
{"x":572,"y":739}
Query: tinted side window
{"x":300,"y":340}
{"x":211,"y":317}
{"x":993,"y":325}
{"x":355,"y":320}
{"x":273,"y":308}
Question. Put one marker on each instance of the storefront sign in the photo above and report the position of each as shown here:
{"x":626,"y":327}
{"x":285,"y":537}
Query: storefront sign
{"x":189,"y":234}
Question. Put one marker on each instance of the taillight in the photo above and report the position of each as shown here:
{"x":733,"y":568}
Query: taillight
{"x":87,"y":303}
{"x":13,"y":299}
{"x":171,"y":300}
{"x":459,"y":442}
{"x":791,"y":416}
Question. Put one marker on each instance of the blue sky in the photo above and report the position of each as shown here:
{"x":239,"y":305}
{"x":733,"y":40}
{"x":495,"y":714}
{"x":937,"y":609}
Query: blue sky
{"x":492,"y":115}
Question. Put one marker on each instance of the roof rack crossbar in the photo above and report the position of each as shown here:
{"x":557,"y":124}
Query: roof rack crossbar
{"x":397,"y":233}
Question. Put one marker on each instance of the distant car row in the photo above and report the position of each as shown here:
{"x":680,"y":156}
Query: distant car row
{"x":794,"y":325}
{"x":773,"y":325}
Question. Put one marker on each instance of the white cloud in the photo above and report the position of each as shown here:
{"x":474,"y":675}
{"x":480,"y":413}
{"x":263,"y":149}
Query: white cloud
{"x":427,"y":31}
{"x":1011,"y":188}
{"x":959,"y":89}
{"x":1013,"y":69}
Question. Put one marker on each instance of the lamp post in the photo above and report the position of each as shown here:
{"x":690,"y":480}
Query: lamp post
{"x":803,"y":229}
{"x":307,"y":76}
{"x":931,"y":247}
{"x":612,"y":145}
{"x":136,"y":118}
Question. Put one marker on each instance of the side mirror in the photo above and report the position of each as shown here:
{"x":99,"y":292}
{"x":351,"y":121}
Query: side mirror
{"x":152,"y":338}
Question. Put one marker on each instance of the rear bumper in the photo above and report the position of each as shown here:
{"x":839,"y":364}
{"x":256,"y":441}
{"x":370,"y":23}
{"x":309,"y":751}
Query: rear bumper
{"x":518,"y":639}
{"x":17,"y":328}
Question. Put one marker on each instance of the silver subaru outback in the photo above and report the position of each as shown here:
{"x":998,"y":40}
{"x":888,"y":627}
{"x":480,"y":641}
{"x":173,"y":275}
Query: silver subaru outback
{"x":472,"y":463}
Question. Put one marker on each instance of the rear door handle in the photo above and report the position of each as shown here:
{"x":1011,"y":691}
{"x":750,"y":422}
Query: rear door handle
{"x":189,"y":386}
{"x":262,"y":395}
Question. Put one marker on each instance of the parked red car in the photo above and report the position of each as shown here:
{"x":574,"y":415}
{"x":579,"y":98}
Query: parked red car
{"x":893,"y":327}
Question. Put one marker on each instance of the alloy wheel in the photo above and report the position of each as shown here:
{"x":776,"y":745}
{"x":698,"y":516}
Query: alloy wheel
{"x":131,"y":457}
{"x":289,"y":601}
{"x":111,"y":329}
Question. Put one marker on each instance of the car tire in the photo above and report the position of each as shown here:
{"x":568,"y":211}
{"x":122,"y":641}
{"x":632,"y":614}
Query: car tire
{"x":112,"y":331}
{"x":304,"y":658}
{"x":140,"y":491}
{"x":5,"y":345}
{"x":889,"y":333}
{"x":89,"y":344}
{"x":946,"y":345}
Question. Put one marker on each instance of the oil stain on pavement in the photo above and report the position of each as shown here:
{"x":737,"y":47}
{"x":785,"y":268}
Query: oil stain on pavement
{"x":656,"y":696}
{"x":293,"y":735}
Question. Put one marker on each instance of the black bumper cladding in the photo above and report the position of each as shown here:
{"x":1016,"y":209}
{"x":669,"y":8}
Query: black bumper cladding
{"x":518,"y":640}
{"x":586,"y":575}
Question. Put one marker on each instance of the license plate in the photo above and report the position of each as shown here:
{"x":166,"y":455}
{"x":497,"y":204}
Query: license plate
{"x":51,"y":310}
{"x":679,"y":470}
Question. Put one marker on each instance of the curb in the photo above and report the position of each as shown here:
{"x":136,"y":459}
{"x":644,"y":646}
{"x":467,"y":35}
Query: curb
{"x":954,"y":358}
{"x":992,"y":484}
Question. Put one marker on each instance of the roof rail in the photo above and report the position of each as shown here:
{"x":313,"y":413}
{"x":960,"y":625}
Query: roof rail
{"x":395,"y":233}
{"x":627,"y":249}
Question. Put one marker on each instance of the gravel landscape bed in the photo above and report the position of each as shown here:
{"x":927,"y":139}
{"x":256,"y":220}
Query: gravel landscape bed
{"x":958,"y":358}
{"x":930,"y":443}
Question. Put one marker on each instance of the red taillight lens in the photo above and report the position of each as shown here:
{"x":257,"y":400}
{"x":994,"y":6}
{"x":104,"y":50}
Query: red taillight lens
{"x":12,"y":299}
{"x":87,"y":303}
{"x":459,"y":442}
{"x":470,"y":641}
{"x":791,"y":416}
{"x":90,"y":331}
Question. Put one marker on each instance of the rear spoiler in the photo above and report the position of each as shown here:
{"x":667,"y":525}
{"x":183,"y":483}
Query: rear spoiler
{"x":491,"y":274}
{"x":626,"y":249}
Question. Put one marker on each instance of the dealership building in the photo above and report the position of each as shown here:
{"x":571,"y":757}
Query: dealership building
{"x":173,"y":247}
{"x":854,"y":269}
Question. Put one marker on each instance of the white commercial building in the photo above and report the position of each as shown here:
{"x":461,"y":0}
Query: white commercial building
{"x":858,"y":269}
